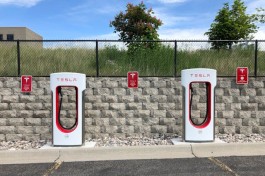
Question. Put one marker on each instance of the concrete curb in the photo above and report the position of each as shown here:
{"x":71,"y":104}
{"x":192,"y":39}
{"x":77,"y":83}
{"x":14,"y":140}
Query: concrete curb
{"x":28,"y":156}
{"x":228,"y":149}
{"x":129,"y":153}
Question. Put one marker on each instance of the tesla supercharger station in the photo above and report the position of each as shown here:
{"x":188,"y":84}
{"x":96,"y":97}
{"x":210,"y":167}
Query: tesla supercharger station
{"x":204,"y":79}
{"x":63,"y":84}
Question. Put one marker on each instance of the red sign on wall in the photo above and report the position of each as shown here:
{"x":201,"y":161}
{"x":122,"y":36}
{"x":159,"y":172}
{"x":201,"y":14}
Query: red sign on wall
{"x":26,"y":83}
{"x":132,"y":79}
{"x":242,"y":75}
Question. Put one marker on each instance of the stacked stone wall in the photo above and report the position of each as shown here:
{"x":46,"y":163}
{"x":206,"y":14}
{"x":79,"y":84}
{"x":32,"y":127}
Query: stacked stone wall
{"x":112,"y":109}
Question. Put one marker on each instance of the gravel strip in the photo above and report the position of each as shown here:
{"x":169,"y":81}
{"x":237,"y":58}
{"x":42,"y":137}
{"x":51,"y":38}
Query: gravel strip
{"x":241,"y":138}
{"x":132,"y":141}
{"x":21,"y":145}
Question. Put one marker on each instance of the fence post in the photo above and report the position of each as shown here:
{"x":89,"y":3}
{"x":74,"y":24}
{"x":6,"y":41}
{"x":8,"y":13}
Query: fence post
{"x":18,"y":57}
{"x":97,"y":63}
{"x":256,"y":58}
{"x":175,"y":59}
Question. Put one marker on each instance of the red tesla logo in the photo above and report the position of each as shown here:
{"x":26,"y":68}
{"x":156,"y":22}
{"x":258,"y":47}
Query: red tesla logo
{"x":26,"y":83}
{"x":132,"y":79}
{"x":200,"y":75}
{"x":242,"y":75}
{"x":67,"y":79}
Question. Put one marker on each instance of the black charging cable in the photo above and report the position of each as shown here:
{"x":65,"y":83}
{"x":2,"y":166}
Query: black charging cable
{"x":59,"y":112}
{"x":207,"y":96}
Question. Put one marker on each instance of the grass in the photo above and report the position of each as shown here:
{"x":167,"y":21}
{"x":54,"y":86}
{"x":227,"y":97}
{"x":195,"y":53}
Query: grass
{"x":224,"y":61}
{"x":114,"y":61}
{"x":8,"y":59}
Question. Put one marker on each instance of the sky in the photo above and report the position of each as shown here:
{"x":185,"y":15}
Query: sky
{"x":90,"y":19}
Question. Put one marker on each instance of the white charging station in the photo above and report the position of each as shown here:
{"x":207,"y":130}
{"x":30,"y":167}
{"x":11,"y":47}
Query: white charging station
{"x":205,"y":131}
{"x":71,"y":135}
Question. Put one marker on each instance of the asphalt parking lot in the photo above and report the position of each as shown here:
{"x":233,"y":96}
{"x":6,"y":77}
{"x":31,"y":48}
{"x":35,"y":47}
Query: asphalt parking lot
{"x":184,"y":159}
{"x":233,"y":165}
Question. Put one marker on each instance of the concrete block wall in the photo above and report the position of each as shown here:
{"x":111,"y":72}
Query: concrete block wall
{"x":112,"y":109}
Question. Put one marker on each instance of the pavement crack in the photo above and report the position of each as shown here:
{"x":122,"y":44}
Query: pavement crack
{"x":192,"y":152}
{"x":222,"y":165}
{"x":56,"y":164}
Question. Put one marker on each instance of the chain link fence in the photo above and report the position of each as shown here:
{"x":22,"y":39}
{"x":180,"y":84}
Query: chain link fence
{"x":41,"y":58}
{"x":199,"y":54}
{"x":8,"y":58}
{"x":115,"y":58}
{"x":260,"y":52}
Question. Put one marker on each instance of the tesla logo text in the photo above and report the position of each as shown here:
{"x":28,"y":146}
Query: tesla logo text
{"x":200,"y":75}
{"x":67,"y":79}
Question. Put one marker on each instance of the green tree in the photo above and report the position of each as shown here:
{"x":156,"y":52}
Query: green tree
{"x":231,"y":24}
{"x":221,"y":29}
{"x":260,"y":16}
{"x":137,"y":24}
